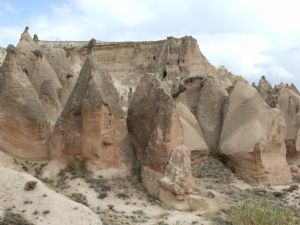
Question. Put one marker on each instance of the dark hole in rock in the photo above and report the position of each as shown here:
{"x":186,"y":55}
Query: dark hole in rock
{"x":69,"y":76}
{"x":25,"y":71}
{"x":165,"y":74}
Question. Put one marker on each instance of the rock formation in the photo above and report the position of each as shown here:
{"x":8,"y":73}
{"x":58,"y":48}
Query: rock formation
{"x":180,"y":110}
{"x":157,"y":134}
{"x":210,"y":104}
{"x":58,"y":61}
{"x":47,"y":85}
{"x":288,"y":101}
{"x":92,"y":123}
{"x":252,"y":138}
{"x":265,"y":90}
{"x":24,"y":122}
{"x":25,"y":48}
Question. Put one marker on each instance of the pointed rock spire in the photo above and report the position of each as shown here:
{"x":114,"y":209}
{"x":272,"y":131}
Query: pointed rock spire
{"x":23,"y":122}
{"x":92,"y":123}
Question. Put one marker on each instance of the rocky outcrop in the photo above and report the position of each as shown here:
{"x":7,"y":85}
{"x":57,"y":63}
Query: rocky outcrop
{"x":47,"y":85}
{"x":92,"y":123}
{"x":210,"y":104}
{"x":265,"y":90}
{"x":288,"y":101}
{"x":157,"y":135}
{"x":24,"y":124}
{"x":25,"y":52}
{"x":58,"y":61}
{"x":193,"y":137}
{"x":252,"y":138}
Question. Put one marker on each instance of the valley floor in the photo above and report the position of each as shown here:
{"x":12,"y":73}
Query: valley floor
{"x":118,"y":197}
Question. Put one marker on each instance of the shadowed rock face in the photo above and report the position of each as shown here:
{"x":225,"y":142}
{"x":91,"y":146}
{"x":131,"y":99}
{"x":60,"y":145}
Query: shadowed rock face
{"x":23,"y":121}
{"x":92,"y":123}
{"x":157,"y":134}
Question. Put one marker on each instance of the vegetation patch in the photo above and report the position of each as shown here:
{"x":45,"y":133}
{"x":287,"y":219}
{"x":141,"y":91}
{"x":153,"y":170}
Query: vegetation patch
{"x":30,"y":185}
{"x":262,"y":213}
{"x":80,"y":198}
{"x":10,"y":218}
{"x":78,"y":168}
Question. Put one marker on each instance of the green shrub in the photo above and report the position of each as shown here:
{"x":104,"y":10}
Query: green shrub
{"x":262,"y":213}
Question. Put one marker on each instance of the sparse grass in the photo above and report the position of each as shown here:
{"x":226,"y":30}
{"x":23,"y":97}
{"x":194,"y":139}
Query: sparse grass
{"x":80,"y":198}
{"x":10,"y":218}
{"x":78,"y":168}
{"x":262,"y":213}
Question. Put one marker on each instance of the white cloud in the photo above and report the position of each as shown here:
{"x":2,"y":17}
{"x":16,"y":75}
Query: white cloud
{"x":129,"y":13}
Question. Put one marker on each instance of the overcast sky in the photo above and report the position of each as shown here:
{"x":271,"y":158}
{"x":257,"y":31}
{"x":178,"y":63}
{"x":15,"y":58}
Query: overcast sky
{"x":249,"y":37}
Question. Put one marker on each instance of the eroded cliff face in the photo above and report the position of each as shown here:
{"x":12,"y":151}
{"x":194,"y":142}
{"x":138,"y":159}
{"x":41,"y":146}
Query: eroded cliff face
{"x":127,"y":61}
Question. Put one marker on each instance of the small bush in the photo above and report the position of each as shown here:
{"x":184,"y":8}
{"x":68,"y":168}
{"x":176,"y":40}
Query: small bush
{"x":10,"y":218}
{"x":262,"y":213}
{"x":78,"y":168}
{"x":30,"y":185}
{"x":80,"y":198}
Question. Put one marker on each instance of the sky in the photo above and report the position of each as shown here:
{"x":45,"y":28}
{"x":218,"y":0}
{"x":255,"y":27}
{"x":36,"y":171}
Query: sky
{"x":249,"y":37}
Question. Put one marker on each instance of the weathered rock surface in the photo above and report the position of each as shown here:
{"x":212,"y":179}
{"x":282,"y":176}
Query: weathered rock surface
{"x":24,"y":124}
{"x":252,"y":138}
{"x":92,"y":123}
{"x":193,"y":137}
{"x":210,"y":105}
{"x":157,"y":134}
{"x":67,"y":77}
{"x":167,"y":59}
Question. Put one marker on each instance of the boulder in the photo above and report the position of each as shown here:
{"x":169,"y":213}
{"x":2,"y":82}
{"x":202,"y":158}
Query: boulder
{"x":24,"y":124}
{"x":92,"y":124}
{"x":157,"y":135}
{"x":252,"y":138}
